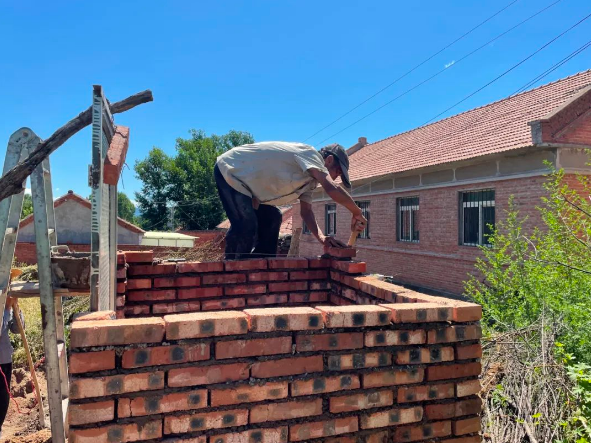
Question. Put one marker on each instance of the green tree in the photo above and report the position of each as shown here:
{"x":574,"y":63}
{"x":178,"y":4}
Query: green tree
{"x":27,"y":206}
{"x":125,"y":208}
{"x":184,"y":181}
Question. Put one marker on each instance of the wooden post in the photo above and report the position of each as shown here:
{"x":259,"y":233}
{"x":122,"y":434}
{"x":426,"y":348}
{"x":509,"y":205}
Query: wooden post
{"x":294,"y":246}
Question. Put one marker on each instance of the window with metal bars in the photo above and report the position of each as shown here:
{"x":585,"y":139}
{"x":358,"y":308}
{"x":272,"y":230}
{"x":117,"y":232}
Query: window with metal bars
{"x":305,"y":228}
{"x":331,"y":219}
{"x":477,"y":217}
{"x":408,"y":219}
{"x":364,"y":206}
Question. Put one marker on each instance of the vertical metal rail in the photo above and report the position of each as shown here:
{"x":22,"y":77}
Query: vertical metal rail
{"x":48,"y":305}
{"x":94,"y":180}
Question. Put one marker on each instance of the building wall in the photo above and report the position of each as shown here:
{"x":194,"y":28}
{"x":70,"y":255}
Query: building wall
{"x":73,"y":226}
{"x":437,"y":261}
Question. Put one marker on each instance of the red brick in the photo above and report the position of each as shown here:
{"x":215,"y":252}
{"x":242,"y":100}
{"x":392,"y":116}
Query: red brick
{"x":121,"y":287}
{"x":319,"y":285}
{"x":324,"y":384}
{"x":267,"y":276}
{"x":275,"y":435}
{"x":350,"y":267}
{"x":165,"y":355}
{"x":425,"y":393}
{"x":455,"y":333}
{"x":177,"y":307}
{"x":325,"y":342}
{"x":115,"y":384}
{"x":359,"y":361}
{"x":450,"y":410}
{"x":453,"y":371}
{"x":287,"y":366}
{"x":424,"y":355}
{"x":419,"y":312}
{"x":92,"y":316}
{"x":472,"y":439}
{"x":284,"y":319}
{"x":174,"y":282}
{"x":205,"y":324}
{"x":200,"y":267}
{"x":245,"y":265}
{"x":464,"y":352}
{"x":394,"y":377}
{"x":354,"y":316}
{"x":91,"y":412}
{"x":232,"y":395}
{"x":115,"y":158}
{"x":308,"y":297}
{"x":285,"y":411}
{"x":421,"y":432}
{"x":380,"y":289}
{"x":205,"y":421}
{"x":309,"y":275}
{"x":135,"y":310}
{"x":308,"y":431}
{"x":340,"y":252}
{"x":139,"y":283}
{"x":340,"y":301}
{"x":380,"y":437}
{"x":392,"y":417}
{"x":319,"y":263}
{"x":245,"y":289}
{"x":351,"y":281}
{"x":120,"y":301}
{"x":466,"y":426}
{"x":468,"y":387}
{"x":219,"y":305}
{"x":116,"y":332}
{"x":139,"y":256}
{"x":120,"y":258}
{"x":272,"y":299}
{"x":162,"y":403}
{"x":288,"y":286}
{"x":465,"y":312}
{"x":357,"y":402}
{"x":252,"y":347}
{"x":151,"y":295}
{"x":223,"y":279}
{"x":335,"y":276}
{"x":200,"y":293}
{"x":288,"y":263}
{"x":207,"y":375}
{"x":168,"y":268}
{"x":81,"y":362}
{"x":123,"y":432}
{"x":395,"y":338}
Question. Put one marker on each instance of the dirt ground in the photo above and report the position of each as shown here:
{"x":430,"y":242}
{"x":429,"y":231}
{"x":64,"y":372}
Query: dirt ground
{"x":24,"y":427}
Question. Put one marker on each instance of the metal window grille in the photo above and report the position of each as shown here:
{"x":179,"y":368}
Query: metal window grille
{"x":305,"y":228}
{"x":408,"y":219}
{"x":331,"y":219}
{"x":477,"y":218}
{"x":364,"y":206}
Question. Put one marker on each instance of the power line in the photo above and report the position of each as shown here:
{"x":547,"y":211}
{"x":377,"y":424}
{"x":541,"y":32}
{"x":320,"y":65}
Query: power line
{"x":509,"y":70}
{"x":413,"y":69}
{"x":442,"y":70}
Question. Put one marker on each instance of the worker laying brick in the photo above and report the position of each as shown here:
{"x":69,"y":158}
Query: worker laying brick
{"x":254,"y":179}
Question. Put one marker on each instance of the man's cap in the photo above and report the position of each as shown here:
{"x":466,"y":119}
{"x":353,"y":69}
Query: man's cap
{"x":341,"y":155}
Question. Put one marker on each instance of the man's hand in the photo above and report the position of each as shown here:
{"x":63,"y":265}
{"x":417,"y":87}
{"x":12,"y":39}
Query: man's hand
{"x":358,"y":222}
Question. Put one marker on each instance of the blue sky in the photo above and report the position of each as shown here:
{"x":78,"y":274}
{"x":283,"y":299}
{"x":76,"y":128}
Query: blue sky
{"x":278,"y":69}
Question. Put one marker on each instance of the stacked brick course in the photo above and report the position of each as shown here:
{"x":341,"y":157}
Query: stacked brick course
{"x":370,"y":362}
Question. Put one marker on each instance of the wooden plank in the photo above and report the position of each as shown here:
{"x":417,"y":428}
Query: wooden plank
{"x":29,"y":289}
{"x":294,"y":246}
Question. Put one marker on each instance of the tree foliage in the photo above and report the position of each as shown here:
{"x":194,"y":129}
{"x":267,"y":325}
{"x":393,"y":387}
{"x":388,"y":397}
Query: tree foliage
{"x":184,"y":181}
{"x":27,"y":206}
{"x":125,"y":208}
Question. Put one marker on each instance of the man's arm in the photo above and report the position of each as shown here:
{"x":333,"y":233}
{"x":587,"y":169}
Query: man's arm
{"x":339,"y":195}
{"x":310,"y":219}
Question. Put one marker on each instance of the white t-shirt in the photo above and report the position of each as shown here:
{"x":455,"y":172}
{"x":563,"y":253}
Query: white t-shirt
{"x":276,"y":173}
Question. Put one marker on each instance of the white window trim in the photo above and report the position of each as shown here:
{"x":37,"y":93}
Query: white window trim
{"x":327,"y":213}
{"x":409,"y":208}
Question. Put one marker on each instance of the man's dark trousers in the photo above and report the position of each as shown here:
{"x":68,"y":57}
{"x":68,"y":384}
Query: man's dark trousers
{"x":253,"y":232}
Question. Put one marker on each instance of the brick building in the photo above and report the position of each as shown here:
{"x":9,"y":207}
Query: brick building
{"x":431,"y":192}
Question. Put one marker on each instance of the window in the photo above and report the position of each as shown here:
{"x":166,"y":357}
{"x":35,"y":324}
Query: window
{"x":364,"y":205}
{"x":331,"y":219}
{"x":408,"y":219}
{"x":477,"y":215}
{"x":305,"y":228}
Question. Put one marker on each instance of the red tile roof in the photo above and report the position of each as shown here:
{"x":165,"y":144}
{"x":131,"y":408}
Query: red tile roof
{"x":82,"y":201}
{"x":286,"y":212}
{"x":498,"y":127}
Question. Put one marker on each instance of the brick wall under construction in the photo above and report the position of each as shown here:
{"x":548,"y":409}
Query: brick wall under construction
{"x":321,"y":354}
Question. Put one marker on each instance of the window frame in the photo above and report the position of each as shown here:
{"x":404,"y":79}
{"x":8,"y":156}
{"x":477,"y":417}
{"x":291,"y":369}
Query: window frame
{"x":330,"y":209}
{"x":410,"y":208}
{"x":472,"y":204}
{"x":305,"y":229}
{"x":364,"y":205}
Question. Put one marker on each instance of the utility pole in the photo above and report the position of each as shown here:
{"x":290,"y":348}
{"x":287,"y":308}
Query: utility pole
{"x":171,"y":223}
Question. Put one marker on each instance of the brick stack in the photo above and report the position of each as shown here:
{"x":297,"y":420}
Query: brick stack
{"x":403,"y":371}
